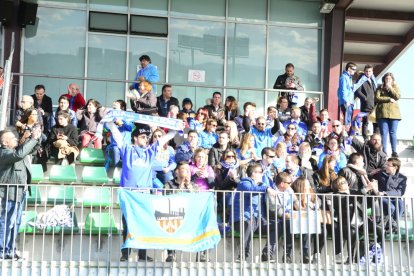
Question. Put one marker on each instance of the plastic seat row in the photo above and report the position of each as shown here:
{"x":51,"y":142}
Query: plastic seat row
{"x":91,"y":196}
{"x":96,"y":223}
{"x":67,"y":174}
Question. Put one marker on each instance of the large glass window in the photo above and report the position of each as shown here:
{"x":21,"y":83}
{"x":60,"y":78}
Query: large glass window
{"x":199,"y":8}
{"x":63,"y":3}
{"x":58,"y":48}
{"x":298,"y":46}
{"x":246,"y":51}
{"x":1,"y":46}
{"x":305,"y":12}
{"x":247,"y":9}
{"x":159,"y":7}
{"x":109,"y":5}
{"x":156,"y":49}
{"x":199,"y":47}
{"x":106,"y":59}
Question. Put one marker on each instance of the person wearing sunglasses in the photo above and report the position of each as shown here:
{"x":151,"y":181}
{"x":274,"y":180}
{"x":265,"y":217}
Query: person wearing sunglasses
{"x":263,"y":135}
{"x":137,"y":160}
{"x":248,"y":211}
{"x":291,"y":138}
{"x":346,"y":92}
{"x":198,"y":123}
{"x":164,"y":163}
{"x":279,"y":210}
{"x":208,"y":137}
{"x":301,"y":127}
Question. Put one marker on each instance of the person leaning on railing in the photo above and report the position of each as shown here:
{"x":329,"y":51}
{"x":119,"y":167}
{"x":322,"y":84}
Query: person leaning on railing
{"x":247,"y":211}
{"x":278,"y":214}
{"x":182,"y":182}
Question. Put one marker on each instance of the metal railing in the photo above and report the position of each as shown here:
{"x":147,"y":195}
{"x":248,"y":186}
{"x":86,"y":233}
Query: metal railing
{"x":287,"y":237}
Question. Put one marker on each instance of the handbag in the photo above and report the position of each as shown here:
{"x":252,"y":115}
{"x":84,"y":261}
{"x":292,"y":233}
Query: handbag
{"x":372,"y":116}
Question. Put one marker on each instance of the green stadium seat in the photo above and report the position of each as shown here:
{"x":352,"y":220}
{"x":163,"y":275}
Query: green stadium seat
{"x":61,"y":195}
{"x":61,"y":173}
{"x":97,"y":197}
{"x":100,"y":223}
{"x":94,"y":175}
{"x":37,"y":173}
{"x":406,"y":232}
{"x":92,"y":156}
{"x":117,"y":175}
{"x":34,"y":197}
{"x":28,"y":217}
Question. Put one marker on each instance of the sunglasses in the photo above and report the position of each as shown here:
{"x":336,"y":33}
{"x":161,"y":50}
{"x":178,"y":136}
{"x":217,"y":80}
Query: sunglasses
{"x":157,"y":136}
{"x":291,"y":128}
{"x":272,"y":156}
{"x":336,"y":125}
{"x":144,"y":137}
{"x":213,"y":125}
{"x":230,"y":156}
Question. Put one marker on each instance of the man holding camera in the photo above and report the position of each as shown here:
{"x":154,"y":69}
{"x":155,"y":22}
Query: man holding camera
{"x":15,"y":174}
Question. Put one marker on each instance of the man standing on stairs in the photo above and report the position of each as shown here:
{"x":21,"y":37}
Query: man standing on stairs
{"x":15,"y":174}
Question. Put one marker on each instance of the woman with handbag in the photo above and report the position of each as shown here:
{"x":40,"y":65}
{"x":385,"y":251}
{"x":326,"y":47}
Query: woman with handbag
{"x":388,"y":111}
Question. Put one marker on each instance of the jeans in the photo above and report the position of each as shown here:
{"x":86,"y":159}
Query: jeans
{"x":283,"y":230}
{"x":114,"y":155}
{"x":10,"y":219}
{"x":347,"y":111}
{"x":390,"y":206}
{"x":388,"y":126}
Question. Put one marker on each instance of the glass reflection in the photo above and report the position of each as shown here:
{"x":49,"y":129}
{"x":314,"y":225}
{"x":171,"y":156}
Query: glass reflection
{"x":109,"y":5}
{"x":305,"y":12}
{"x":246,"y":9}
{"x":156,"y":49}
{"x":199,"y":8}
{"x":299,"y":46}
{"x":246,"y":50}
{"x":158,"y":7}
{"x":106,"y":59}
{"x":200,"y":47}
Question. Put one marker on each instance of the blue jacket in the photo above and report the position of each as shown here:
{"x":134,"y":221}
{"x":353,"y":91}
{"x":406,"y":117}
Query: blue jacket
{"x":183,"y":153}
{"x":341,"y":163}
{"x":150,"y":73}
{"x":136,"y":165}
{"x":345,"y":89}
{"x":252,"y":201}
{"x":207,"y":140}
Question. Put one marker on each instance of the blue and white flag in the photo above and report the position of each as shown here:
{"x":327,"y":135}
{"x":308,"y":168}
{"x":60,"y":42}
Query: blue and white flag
{"x":183,"y":221}
{"x":112,"y":114}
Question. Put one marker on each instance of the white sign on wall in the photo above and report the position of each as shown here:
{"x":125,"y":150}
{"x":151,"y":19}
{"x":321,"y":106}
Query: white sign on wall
{"x":196,"y":75}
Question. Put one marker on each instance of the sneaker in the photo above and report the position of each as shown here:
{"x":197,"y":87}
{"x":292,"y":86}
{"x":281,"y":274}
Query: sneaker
{"x":14,"y":257}
{"x":339,"y":258}
{"x":238,"y":260}
{"x":145,"y":259}
{"x":305,"y":259}
{"x":287,"y":259}
{"x":266,"y":258}
{"x":316,"y":258}
{"x":170,"y":258}
{"x":394,"y":154}
{"x":124,"y":258}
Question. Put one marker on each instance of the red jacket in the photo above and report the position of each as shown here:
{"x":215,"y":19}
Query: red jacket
{"x":77,"y":103}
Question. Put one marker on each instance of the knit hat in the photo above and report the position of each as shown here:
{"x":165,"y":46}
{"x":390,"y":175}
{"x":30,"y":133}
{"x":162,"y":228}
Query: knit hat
{"x":141,"y":129}
{"x":187,"y":100}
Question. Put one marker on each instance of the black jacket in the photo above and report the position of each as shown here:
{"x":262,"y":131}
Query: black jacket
{"x":392,"y":185}
{"x":366,"y":94}
{"x":15,"y":169}
{"x":164,"y":112}
{"x":372,"y":160}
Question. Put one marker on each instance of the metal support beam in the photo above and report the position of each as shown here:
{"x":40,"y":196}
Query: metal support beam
{"x":374,"y":39}
{"x":363,"y":58}
{"x":333,"y":45}
{"x":375,"y":15}
{"x":396,"y":51}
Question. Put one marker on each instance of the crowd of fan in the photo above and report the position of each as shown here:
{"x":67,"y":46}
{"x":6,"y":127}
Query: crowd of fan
{"x":292,"y":150}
